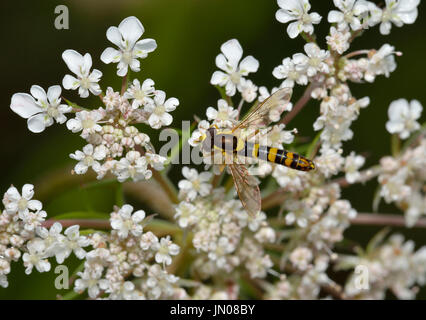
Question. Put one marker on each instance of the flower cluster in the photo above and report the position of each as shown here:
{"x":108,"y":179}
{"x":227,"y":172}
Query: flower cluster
{"x":219,"y":226}
{"x":128,"y":263}
{"x":393,"y":265}
{"x":24,"y":234}
{"x":114,"y":142}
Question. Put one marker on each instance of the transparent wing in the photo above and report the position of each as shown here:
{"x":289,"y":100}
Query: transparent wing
{"x":259,"y":117}
{"x":247,"y":188}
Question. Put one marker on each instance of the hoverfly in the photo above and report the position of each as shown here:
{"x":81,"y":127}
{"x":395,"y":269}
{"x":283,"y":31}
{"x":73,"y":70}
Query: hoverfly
{"x":230,"y":144}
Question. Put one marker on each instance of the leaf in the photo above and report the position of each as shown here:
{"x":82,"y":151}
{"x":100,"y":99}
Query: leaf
{"x":313,"y":146}
{"x":376,"y":199}
{"x":377,"y":240}
{"x":81,"y":215}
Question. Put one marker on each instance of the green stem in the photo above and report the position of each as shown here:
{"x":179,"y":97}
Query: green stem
{"x":395,"y":145}
{"x":166,"y":184}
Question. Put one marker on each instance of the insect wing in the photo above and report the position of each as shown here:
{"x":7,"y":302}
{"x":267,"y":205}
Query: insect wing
{"x":247,"y":188}
{"x":260,"y":116}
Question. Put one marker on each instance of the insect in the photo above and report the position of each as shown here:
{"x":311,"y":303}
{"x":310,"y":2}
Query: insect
{"x":229,"y":143}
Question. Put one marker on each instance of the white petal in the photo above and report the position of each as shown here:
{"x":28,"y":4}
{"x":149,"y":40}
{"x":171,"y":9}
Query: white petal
{"x":385,"y":28}
{"x":70,"y":83}
{"x":114,"y":35}
{"x":249,"y":64}
{"x":219,"y":78}
{"x":138,"y":216}
{"x":81,"y":168}
{"x":54,"y":93}
{"x":233,"y":51}
{"x":28,"y":191}
{"x":122,"y":70}
{"x":35,"y":205}
{"x":159,"y":98}
{"x":24,"y":105}
{"x":283,"y":16}
{"x":293,"y":29}
{"x":171,"y":104}
{"x":335,"y":16}
{"x":88,"y":149}
{"x":37,"y":123}
{"x":416,"y":109}
{"x":291,"y":5}
{"x":87,"y":63}
{"x":394,"y":127}
{"x":166,"y":119}
{"x":73,"y":60}
{"x":110,"y":55}
{"x":131,"y":29}
{"x":74,"y":125}
{"x":38,"y":93}
{"x":145,"y":45}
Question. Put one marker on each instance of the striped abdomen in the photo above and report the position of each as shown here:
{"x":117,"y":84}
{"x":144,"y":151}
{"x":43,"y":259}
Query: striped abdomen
{"x":275,"y":155}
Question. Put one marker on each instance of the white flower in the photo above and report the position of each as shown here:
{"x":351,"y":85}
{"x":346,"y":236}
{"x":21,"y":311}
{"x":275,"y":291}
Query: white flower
{"x":92,"y":282}
{"x":198,"y":134}
{"x":297,"y":10}
{"x":349,"y":14}
{"x":330,"y":161}
{"x":278,"y":136}
{"x":80,"y":65}
{"x":352,"y":164}
{"x":402,"y":117}
{"x":86,"y":121}
{"x":185,"y":213}
{"x":159,"y":110}
{"x":15,"y":203}
{"x":338,"y":40}
{"x":148,"y":239}
{"x":89,"y":158}
{"x":72,"y":242}
{"x":195,"y":183}
{"x":229,"y":61}
{"x":126,"y":37}
{"x":141,"y":95}
{"x":248,"y":90}
{"x":132,"y":166}
{"x":52,"y":238}
{"x":35,"y":256}
{"x":111,"y":99}
{"x":314,"y":62}
{"x":42,"y":110}
{"x":298,"y":213}
{"x":399,"y":12}
{"x":155,"y":160}
{"x":32,"y":220}
{"x":380,"y":62}
{"x":125,"y":222}
{"x":301,"y":257}
{"x":225,"y":115}
{"x":165,"y":249}
{"x":289,"y":71}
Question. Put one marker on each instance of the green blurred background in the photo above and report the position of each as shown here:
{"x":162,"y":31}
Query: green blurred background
{"x":189,"y":34}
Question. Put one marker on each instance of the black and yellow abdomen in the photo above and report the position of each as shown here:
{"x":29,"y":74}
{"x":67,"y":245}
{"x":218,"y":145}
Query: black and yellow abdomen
{"x":278,"y":156}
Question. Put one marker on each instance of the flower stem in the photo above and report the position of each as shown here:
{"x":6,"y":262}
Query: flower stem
{"x":84,"y":223}
{"x":299,"y":105}
{"x":374,"y":219}
{"x":395,"y":145}
{"x":124,"y":83}
{"x":166,"y":185}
